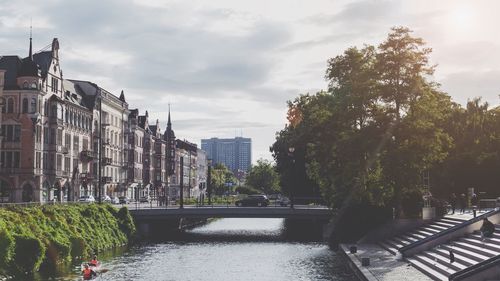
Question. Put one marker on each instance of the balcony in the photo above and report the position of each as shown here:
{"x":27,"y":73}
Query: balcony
{"x":106,"y":161}
{"x":86,"y":176}
{"x":62,"y":149}
{"x":87,"y":154}
{"x":106,"y":179}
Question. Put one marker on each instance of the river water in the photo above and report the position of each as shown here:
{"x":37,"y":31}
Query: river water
{"x":223,"y":250}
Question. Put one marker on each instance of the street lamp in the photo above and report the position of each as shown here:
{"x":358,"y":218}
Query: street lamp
{"x":291,"y":150}
{"x":209,"y":182}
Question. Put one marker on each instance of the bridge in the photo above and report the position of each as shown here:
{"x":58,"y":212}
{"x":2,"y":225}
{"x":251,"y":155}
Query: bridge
{"x":299,"y":212}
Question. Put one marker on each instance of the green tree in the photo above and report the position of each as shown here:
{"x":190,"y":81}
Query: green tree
{"x":221,"y":176}
{"x":263,"y":177}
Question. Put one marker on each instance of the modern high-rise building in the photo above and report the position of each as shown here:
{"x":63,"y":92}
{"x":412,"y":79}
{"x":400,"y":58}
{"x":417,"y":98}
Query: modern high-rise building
{"x":236,"y":154}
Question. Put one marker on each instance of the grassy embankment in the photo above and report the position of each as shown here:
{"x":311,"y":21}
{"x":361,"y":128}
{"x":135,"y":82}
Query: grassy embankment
{"x":49,"y":235}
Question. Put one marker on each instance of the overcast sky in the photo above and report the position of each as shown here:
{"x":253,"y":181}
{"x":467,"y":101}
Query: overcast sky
{"x":228,"y":67}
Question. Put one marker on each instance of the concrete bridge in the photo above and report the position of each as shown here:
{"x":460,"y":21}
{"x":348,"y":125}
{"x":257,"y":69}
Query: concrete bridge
{"x":299,"y":212}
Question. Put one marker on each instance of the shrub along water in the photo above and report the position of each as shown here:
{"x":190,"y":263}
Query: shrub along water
{"x":49,"y":235}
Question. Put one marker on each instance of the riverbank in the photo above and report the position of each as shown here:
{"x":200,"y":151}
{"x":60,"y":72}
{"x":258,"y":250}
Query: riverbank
{"x":45,"y":236}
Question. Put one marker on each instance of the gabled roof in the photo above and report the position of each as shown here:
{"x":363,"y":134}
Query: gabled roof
{"x":74,"y":95}
{"x":11,"y":65}
{"x":44,"y":60}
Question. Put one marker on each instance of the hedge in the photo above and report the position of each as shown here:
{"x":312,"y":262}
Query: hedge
{"x":48,"y":235}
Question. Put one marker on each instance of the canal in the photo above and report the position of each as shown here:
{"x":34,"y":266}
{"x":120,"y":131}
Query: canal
{"x":223,"y":250}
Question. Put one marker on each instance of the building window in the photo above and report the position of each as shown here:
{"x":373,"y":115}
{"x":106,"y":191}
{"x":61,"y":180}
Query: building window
{"x":25,"y":105}
{"x":55,"y":85}
{"x":11,"y":133}
{"x":10,"y":105}
{"x":33,"y":105}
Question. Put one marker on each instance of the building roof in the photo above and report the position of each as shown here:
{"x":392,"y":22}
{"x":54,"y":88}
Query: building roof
{"x":29,"y":68}
{"x":11,"y":65}
{"x":44,"y":60}
{"x":74,"y":95}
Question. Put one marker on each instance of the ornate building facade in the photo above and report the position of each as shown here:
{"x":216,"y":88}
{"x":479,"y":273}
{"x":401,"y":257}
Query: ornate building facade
{"x":62,"y":139}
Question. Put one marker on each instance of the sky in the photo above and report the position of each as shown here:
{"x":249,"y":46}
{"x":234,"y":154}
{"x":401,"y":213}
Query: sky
{"x":228,"y":67}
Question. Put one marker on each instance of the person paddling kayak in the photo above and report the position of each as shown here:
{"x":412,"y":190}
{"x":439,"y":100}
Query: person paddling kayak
{"x":88,"y":273}
{"x":94,"y":262}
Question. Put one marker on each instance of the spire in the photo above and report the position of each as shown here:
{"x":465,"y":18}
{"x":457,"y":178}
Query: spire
{"x":122,"y":96}
{"x":31,"y":45}
{"x":169,"y":124}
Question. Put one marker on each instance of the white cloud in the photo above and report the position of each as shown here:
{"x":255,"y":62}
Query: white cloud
{"x":230,"y":66}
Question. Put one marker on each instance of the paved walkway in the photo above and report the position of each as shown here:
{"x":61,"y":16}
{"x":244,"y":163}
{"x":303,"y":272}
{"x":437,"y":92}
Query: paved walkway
{"x":383,"y":265}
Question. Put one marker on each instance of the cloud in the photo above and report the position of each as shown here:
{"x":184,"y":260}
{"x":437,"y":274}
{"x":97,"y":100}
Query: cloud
{"x":463,"y":86}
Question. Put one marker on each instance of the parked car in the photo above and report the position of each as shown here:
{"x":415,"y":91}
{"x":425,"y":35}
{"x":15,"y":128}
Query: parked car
{"x":123,"y":200}
{"x":115,"y":200}
{"x":106,"y":199}
{"x":144,"y":199}
{"x":283,"y":201}
{"x":86,"y":199}
{"x":253,"y":200}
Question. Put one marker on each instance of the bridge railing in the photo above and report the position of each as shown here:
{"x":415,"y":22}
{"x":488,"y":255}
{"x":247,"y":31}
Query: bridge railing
{"x":228,"y":202}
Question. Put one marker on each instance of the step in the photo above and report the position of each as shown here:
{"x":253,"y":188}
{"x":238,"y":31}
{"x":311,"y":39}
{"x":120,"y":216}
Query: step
{"x":458,"y":257}
{"x":451,"y":221}
{"x":408,"y":239}
{"x":395,"y":243}
{"x":479,"y":250}
{"x":444,"y":224}
{"x":483,"y":244}
{"x":391,"y":249}
{"x":466,"y":253}
{"x":444,"y":269}
{"x":433,"y":274}
{"x":437,"y":226}
{"x":455,"y":219}
{"x":424,"y":233}
{"x":492,"y":240}
{"x":431,"y":230}
{"x":456,"y":265}
{"x":416,"y":235}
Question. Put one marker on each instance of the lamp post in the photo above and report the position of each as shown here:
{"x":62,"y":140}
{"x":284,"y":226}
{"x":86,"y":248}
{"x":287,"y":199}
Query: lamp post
{"x":100,"y":148}
{"x":209,"y":182}
{"x":291,"y":150}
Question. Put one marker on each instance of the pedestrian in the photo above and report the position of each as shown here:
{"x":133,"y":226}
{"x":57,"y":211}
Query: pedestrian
{"x":487,"y":229}
{"x":453,"y":202}
{"x":463,"y":203}
{"x":452,"y":257}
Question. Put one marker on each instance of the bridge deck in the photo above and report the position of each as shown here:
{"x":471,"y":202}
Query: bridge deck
{"x":322,"y":213}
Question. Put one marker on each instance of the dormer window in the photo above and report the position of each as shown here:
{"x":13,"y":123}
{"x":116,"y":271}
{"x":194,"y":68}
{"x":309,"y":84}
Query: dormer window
{"x":25,"y":85}
{"x":33,"y":85}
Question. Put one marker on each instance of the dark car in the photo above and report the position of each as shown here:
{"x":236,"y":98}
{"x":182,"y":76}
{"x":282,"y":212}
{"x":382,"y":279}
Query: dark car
{"x":283,"y":201}
{"x":253,"y":200}
{"x":123,"y":200}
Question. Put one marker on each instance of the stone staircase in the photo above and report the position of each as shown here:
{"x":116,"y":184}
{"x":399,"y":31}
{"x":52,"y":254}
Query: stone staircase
{"x":468,"y":250}
{"x":395,"y":243}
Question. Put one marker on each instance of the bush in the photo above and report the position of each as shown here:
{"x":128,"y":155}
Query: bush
{"x":126,"y":222}
{"x":247,"y":190}
{"x":29,"y":254}
{"x":54,"y":234}
{"x":7,"y":246}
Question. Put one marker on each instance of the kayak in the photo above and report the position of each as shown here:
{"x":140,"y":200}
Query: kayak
{"x":97,"y":269}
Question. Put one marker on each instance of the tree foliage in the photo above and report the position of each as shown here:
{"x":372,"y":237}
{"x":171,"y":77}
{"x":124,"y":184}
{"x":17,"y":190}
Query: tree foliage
{"x":220,"y":177}
{"x":263,"y":177}
{"x":380,"y":126}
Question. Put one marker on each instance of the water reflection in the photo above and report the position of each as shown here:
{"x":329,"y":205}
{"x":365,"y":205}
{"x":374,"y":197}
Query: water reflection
{"x":226,"y":249}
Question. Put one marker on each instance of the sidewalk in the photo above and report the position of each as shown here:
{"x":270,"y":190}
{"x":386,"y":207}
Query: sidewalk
{"x":383,"y":265}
